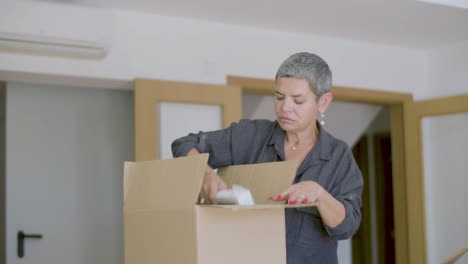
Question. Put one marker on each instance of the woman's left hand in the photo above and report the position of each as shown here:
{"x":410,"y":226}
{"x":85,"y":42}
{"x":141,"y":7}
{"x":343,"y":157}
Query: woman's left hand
{"x":302,"y":192}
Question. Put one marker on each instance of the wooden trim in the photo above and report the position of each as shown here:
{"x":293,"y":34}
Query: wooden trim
{"x":415,"y":186}
{"x":410,"y":245}
{"x":267,"y":86}
{"x":149,"y":92}
{"x":369,"y":96}
{"x":456,"y":256}
{"x":399,"y":185}
{"x":2,"y":172}
{"x":252,"y":85}
{"x":442,"y":106}
{"x":414,"y":112}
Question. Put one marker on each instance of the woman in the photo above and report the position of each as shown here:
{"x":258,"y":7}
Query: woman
{"x":327,"y":173}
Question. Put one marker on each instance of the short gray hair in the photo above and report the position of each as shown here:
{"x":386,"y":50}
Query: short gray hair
{"x":312,"y":68}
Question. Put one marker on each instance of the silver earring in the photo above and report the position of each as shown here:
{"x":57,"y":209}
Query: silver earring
{"x":322,"y":119}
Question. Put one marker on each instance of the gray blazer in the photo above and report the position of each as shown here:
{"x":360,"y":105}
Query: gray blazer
{"x":330,"y":163}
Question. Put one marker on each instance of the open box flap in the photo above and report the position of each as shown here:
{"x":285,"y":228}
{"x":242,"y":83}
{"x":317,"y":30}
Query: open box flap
{"x":261,"y":206}
{"x":263,"y":179}
{"x":171,"y":184}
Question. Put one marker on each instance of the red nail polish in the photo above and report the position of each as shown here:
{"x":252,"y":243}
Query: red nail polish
{"x":290,"y":202}
{"x":279,"y":197}
{"x":295,"y":201}
{"x":306,"y":200}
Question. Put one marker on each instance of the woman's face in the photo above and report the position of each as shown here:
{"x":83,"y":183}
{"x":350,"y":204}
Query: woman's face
{"x":296,"y":106}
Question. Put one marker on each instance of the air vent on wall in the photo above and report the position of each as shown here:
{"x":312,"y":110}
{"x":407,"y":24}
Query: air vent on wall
{"x":45,"y":45}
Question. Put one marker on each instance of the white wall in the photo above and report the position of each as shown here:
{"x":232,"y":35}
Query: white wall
{"x":448,"y":72}
{"x":446,"y":173}
{"x":65,"y":149}
{"x":151,"y":46}
{"x":444,"y":151}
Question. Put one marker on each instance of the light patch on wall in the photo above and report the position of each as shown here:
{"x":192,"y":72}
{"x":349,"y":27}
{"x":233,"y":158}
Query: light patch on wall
{"x":178,"y":120}
{"x":451,"y":3}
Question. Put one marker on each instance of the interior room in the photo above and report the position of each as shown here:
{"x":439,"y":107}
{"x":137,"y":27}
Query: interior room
{"x":87,"y":85}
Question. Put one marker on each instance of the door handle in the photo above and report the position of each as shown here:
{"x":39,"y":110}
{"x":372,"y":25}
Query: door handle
{"x":21,"y":237}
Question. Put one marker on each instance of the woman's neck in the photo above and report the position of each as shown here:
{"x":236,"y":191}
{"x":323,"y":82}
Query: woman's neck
{"x":302,"y":139}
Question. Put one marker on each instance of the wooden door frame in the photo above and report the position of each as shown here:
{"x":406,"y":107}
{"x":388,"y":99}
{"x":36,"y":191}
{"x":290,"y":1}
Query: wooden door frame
{"x":148,"y":93}
{"x":441,"y":106}
{"x":408,"y":192}
{"x":414,"y":113}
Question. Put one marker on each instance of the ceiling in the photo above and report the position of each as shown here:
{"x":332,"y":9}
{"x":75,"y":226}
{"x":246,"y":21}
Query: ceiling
{"x":406,"y":23}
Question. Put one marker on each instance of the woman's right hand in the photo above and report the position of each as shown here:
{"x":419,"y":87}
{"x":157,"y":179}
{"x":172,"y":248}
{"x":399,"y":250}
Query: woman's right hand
{"x":212,"y":184}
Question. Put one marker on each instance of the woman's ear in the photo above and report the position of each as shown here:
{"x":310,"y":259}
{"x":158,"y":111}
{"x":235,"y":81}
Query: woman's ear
{"x":325,"y":101}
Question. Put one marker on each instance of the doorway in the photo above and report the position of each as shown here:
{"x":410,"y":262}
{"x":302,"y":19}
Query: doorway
{"x":406,"y":215}
{"x":65,"y":150}
{"x":374,"y":241}
{"x":384,"y":201}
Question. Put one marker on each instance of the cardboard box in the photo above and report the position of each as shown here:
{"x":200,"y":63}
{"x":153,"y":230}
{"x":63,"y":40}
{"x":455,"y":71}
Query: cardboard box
{"x":163,"y":224}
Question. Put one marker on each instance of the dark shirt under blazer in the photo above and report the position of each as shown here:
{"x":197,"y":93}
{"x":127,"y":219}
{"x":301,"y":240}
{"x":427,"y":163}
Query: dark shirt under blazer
{"x":330,"y":163}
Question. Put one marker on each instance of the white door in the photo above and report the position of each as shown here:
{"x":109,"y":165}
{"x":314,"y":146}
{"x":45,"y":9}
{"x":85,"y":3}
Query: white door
{"x":64,"y":153}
